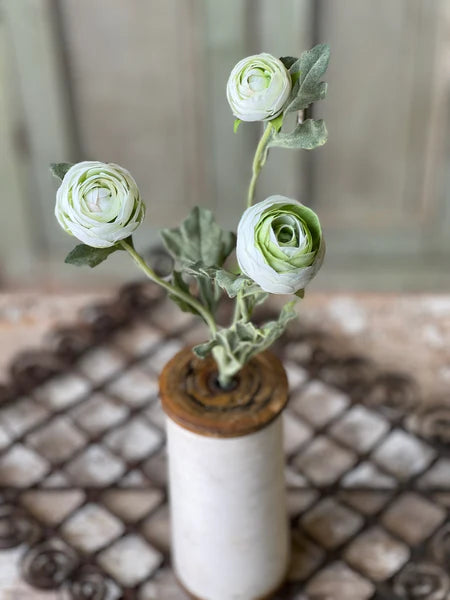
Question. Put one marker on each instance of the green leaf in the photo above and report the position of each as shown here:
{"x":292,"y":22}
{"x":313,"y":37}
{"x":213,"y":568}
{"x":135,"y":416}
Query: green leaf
{"x":208,"y":290}
{"x":178,"y":282}
{"x":58,"y":170}
{"x":234,"y":346}
{"x":252,"y":297}
{"x":308,"y":88}
{"x":308,"y":135}
{"x":288,"y":61}
{"x":294,"y":78}
{"x":236,"y":124}
{"x":233,"y":284}
{"x":300,"y":294}
{"x":230,"y":282}
{"x":272,"y":330}
{"x":198,"y":269}
{"x":83,"y":255}
{"x":250,"y":294}
{"x":199,"y":239}
{"x":277,"y":123}
{"x":202,"y":350}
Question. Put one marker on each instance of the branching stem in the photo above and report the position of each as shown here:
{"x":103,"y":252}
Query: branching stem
{"x":202,"y":311}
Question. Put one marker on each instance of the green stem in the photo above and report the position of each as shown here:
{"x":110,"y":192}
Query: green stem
{"x":202,"y":311}
{"x":243,"y":308}
{"x":237,"y":309}
{"x":225,"y":381}
{"x":258,"y":162}
{"x":240,"y":310}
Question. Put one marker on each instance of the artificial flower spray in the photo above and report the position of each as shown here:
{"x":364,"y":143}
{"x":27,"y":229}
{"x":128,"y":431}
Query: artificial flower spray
{"x":224,"y":397}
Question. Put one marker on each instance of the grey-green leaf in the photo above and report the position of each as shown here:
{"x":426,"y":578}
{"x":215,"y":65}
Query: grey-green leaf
{"x":182,"y":305}
{"x":251,"y":293}
{"x":252,"y":297}
{"x":178,"y":282}
{"x":58,"y":170}
{"x":230,"y":282}
{"x":307,"y":135}
{"x":288,"y":61}
{"x":207,"y":288}
{"x":198,"y":269}
{"x":234,"y":346}
{"x":272,"y":330}
{"x":83,"y":255}
{"x":202,"y":350}
{"x":277,"y":123}
{"x":308,"y":88}
{"x":199,"y":239}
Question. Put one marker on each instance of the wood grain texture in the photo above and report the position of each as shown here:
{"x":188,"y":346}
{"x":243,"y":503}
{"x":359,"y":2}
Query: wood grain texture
{"x":191,"y":397}
{"x":142,"y":83}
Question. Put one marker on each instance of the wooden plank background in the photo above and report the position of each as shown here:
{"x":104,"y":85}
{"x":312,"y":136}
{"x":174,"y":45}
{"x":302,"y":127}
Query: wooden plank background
{"x":142,"y":83}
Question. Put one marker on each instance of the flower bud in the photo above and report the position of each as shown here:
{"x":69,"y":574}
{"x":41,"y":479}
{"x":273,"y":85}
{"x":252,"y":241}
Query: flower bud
{"x":280,"y":245}
{"x":258,"y":88}
{"x":99,"y":203}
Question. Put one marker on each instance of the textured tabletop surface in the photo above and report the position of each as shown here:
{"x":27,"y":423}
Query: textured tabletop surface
{"x":83,"y":510}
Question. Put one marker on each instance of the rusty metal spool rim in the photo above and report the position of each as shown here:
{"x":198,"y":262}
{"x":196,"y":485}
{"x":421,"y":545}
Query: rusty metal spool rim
{"x":191,"y":399}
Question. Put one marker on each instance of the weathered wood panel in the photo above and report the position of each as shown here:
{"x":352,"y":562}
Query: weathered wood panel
{"x":135,"y":78}
{"x":16,"y":235}
{"x":372,"y":175}
{"x":42,"y":99}
{"x":142,"y":83}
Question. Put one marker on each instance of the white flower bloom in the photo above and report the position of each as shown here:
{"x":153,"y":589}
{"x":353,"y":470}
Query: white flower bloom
{"x":258,"y":88}
{"x":280,"y":245}
{"x":99,"y":203}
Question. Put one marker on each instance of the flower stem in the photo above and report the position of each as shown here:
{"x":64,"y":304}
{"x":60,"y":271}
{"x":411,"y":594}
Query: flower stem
{"x":240,"y":310}
{"x":258,"y":162}
{"x":225,"y":382}
{"x":202,"y":311}
{"x":237,"y":309}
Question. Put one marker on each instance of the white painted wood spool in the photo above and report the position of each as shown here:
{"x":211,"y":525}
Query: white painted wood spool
{"x":230,"y":535}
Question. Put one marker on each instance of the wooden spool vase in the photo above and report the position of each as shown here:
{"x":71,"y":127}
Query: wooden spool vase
{"x":230,"y":536}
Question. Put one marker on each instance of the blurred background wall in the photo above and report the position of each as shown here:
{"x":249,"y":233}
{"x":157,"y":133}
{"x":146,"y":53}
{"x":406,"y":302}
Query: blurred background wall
{"x":142,"y":83}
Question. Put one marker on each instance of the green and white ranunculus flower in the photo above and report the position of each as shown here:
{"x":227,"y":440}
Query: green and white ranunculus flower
{"x":280,"y":245}
{"x":258,"y":88}
{"x":99,"y":203}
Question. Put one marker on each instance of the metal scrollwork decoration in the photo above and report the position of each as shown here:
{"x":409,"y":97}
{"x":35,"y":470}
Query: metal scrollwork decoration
{"x":422,"y":582}
{"x":15,"y":527}
{"x":394,"y":394}
{"x":88,"y":584}
{"x":49,"y":564}
{"x":353,"y":374}
{"x":433,"y":424}
{"x":31,"y":368}
{"x":69,"y":342}
{"x":48,"y":560}
{"x":440,"y":546}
